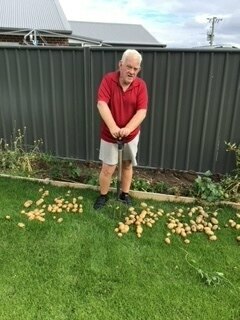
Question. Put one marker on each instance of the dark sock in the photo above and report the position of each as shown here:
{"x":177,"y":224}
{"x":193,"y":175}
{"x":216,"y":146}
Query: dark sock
{"x":103,"y":195}
{"x":124,"y":194}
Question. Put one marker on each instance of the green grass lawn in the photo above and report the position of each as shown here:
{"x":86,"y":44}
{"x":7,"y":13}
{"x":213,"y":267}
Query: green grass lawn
{"x":80,"y":268}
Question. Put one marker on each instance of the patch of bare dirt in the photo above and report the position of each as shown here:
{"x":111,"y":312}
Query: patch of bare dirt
{"x":170,"y":177}
{"x":176,"y":182}
{"x":155,"y":180}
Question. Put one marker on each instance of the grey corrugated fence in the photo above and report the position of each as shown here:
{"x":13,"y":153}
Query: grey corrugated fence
{"x":194,"y":103}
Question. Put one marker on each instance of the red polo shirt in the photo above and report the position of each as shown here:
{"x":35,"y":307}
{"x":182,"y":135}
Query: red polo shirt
{"x":123,"y":105}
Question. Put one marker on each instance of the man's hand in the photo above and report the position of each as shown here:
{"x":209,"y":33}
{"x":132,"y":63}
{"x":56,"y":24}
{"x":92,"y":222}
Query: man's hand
{"x":124,"y":132}
{"x":115,"y":132}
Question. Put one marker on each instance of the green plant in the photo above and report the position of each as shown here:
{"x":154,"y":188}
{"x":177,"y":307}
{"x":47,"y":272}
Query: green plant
{"x":160,"y":187}
{"x":93,"y":180}
{"x":231,"y":182}
{"x":231,"y":185}
{"x":141,"y":185}
{"x":213,"y":278}
{"x":16,"y":155}
{"x":206,"y":189}
{"x":233,"y":147}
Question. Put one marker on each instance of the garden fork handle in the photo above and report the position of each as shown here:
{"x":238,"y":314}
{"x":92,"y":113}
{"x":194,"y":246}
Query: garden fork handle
{"x":120,"y":144}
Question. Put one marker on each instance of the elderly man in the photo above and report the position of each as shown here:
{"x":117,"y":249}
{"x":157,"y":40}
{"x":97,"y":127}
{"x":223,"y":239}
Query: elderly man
{"x":122,"y":104}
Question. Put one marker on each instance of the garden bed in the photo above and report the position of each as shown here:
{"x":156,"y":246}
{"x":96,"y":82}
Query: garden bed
{"x":149,"y":180}
{"x":17,"y":159}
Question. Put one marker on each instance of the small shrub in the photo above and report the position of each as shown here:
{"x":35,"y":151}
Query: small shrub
{"x":231,"y":183}
{"x":233,"y":147}
{"x":206,"y":189}
{"x":160,"y":187}
{"x":16,"y":156}
{"x":141,"y":185}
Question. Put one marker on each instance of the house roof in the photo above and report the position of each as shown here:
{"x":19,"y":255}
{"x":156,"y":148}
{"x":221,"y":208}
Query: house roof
{"x":114,"y":33}
{"x":33,"y":14}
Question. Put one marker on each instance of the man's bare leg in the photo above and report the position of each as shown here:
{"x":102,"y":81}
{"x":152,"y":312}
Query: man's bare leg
{"x":127,"y":173}
{"x":105,"y":177}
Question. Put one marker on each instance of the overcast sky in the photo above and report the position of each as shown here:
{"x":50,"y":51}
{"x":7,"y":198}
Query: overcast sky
{"x":177,"y":23}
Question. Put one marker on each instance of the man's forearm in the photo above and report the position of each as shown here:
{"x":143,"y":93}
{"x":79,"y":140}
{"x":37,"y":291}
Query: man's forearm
{"x":136,"y":120}
{"x":106,"y":115}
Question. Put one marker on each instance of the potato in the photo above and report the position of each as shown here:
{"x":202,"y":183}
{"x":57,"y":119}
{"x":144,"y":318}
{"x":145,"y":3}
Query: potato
{"x":199,"y":219}
{"x":144,"y":205}
{"x":139,"y":229}
{"x":167,"y":241}
{"x":39,"y":218}
{"x":233,"y":224}
{"x":171,"y":225}
{"x":178,"y":230}
{"x":205,"y":214}
{"x":194,"y":228}
{"x":200,"y":227}
{"x":209,"y":232}
{"x":213,"y":238}
{"x":40,"y":201}
{"x":21,"y":225}
{"x":183,"y":233}
{"x":143,"y":214}
{"x":28,"y":203}
{"x":123,"y":228}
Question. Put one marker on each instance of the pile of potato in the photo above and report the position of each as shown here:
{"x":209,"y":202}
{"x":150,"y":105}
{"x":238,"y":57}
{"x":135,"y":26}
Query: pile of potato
{"x":37,"y":210}
{"x":196,"y":219}
{"x":182,"y":223}
{"x":146,"y":217}
{"x":235,"y":224}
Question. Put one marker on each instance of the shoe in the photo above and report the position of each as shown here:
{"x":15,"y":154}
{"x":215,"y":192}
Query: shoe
{"x":126,"y":199}
{"x":100,"y":202}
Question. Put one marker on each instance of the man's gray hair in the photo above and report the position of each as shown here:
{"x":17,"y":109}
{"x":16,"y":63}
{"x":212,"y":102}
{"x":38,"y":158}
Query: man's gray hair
{"x":131,"y":53}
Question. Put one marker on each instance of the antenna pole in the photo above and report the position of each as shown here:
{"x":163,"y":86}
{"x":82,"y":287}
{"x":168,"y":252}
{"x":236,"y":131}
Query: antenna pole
{"x":210,"y":33}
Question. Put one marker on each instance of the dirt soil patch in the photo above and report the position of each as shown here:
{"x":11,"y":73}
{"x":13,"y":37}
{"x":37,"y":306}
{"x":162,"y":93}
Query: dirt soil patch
{"x":173,"y":181}
{"x":144,"y":179}
{"x":170,"y":177}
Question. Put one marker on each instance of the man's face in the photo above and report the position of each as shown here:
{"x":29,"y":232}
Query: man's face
{"x":129,"y":69}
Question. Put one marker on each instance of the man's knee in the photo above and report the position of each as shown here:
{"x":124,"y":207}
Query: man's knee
{"x":127,"y":165}
{"x":108,"y":170}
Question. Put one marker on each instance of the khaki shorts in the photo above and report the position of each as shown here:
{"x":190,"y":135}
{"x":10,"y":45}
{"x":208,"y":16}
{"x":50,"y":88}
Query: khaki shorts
{"x":109,"y":151}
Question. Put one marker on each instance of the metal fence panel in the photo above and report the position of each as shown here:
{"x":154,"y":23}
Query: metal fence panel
{"x":44,"y":90}
{"x":194,"y":102}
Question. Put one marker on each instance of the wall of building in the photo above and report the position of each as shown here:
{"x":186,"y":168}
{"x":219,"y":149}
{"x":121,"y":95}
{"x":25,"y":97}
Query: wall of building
{"x":52,"y":41}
